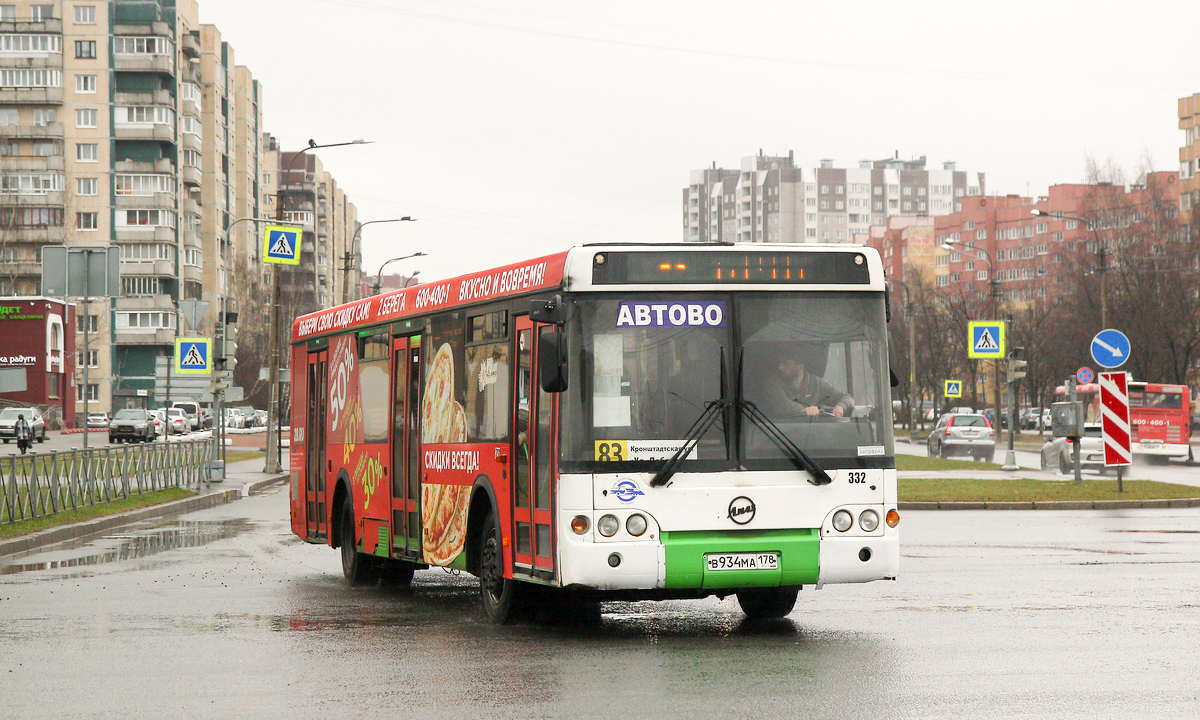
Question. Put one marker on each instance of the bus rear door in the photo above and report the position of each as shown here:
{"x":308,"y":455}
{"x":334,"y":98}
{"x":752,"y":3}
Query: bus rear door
{"x":315,"y":469}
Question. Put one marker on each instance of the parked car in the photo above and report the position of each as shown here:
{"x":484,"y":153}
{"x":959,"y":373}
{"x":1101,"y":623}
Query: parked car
{"x":160,"y":422}
{"x":962,"y":434}
{"x":131,"y":424}
{"x":98,"y":420}
{"x":1031,"y":419}
{"x":262,"y":417}
{"x":247,"y":412}
{"x":8,"y":423}
{"x":193,"y":412}
{"x":177,"y":421}
{"x":234,"y":419}
{"x":1059,"y":452}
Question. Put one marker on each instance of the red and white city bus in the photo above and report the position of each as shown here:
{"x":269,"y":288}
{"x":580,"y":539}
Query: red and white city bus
{"x":602,"y":421}
{"x":1160,"y":414}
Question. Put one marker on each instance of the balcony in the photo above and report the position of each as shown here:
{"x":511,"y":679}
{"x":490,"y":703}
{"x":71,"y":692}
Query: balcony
{"x":160,"y":132}
{"x":191,"y":176}
{"x":161,"y":165}
{"x":31,"y":96}
{"x":149,"y":97}
{"x":35,"y":132}
{"x":32,"y":163}
{"x":144,"y":62}
{"x":193,"y":272}
{"x":299,"y":217}
{"x":162,"y":200}
{"x":192,"y":206}
{"x":189,"y":141}
{"x":22,"y":268}
{"x":145,"y":233}
{"x":190,"y":45}
{"x":24,"y":27}
{"x":148,"y":268}
{"x":32,"y":60}
{"x":140,"y":336}
{"x":33,"y":197}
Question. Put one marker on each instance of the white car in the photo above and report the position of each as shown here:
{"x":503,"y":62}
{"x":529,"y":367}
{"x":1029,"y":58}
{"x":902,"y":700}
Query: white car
{"x":1058,"y":453}
{"x":178,"y":421}
{"x":8,"y":423}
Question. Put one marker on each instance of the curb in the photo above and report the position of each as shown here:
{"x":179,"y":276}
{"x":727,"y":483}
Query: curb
{"x":1056,"y":505}
{"x":51,"y":536}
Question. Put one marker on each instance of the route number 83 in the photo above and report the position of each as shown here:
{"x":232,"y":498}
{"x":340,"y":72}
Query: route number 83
{"x":611,"y":451}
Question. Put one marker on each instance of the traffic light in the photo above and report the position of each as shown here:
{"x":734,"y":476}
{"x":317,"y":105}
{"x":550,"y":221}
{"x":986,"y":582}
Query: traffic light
{"x":1016,"y":366}
{"x":224,"y":358}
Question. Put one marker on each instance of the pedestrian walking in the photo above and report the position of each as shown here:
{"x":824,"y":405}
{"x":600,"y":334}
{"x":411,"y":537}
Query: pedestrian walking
{"x":24,"y":434}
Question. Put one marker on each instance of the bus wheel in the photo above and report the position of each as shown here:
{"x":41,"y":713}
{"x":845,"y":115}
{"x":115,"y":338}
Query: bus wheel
{"x":767,"y":603}
{"x":397,"y":573}
{"x":359,"y":568}
{"x":497,"y":593}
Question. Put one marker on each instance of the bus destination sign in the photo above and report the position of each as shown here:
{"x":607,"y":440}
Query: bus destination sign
{"x":732,"y":268}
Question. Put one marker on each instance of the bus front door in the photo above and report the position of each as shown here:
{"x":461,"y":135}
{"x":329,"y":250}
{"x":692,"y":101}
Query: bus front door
{"x":406,"y":448}
{"x":533,"y":469}
{"x":315,"y":522}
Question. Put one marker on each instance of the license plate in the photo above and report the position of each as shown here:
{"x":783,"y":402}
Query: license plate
{"x":742,"y":561}
{"x":1151,"y":443}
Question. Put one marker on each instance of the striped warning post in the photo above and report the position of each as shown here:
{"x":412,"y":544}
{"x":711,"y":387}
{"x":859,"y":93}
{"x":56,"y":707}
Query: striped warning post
{"x":1114,"y":418}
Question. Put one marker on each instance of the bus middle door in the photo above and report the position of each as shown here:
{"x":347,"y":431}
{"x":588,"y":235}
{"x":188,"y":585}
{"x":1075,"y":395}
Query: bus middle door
{"x":316,"y":521}
{"x":406,"y":448}
{"x":533,"y":468}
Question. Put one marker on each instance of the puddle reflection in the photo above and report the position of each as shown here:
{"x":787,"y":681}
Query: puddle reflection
{"x":138,"y":545}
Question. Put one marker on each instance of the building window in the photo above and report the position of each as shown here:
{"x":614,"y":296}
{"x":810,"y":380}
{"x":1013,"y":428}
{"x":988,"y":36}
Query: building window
{"x":91,"y":323}
{"x":86,"y":117}
{"x":145,"y":320}
{"x":147,"y":218}
{"x":85,"y":14}
{"x":86,"y":186}
{"x":30,"y":77}
{"x":85,"y":84}
{"x":93,"y":392}
{"x":41,"y":13}
{"x":8,"y":13}
{"x":87,"y":220}
{"x":141,"y":286}
{"x":85,"y":152}
{"x":44,"y":116}
{"x":85,"y":49}
{"x":93,"y":358}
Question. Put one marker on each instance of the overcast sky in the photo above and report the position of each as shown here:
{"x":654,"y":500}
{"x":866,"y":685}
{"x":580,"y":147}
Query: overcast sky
{"x":513,"y":128}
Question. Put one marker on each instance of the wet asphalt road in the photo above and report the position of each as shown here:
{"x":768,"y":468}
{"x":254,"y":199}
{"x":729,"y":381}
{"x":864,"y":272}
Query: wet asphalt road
{"x":223,"y":613}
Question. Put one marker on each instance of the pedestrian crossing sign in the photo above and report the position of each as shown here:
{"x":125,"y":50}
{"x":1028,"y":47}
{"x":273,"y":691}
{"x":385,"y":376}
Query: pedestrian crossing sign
{"x":986,"y":339}
{"x":953,"y":388}
{"x":281,"y":244}
{"x":193,"y":356}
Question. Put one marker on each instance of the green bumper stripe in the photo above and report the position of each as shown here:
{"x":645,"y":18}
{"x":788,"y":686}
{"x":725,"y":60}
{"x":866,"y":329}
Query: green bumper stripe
{"x":799,"y":557}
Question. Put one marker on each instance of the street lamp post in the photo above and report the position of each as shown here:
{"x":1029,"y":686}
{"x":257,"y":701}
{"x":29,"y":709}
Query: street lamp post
{"x":1101,"y":258}
{"x":994,"y":285}
{"x":219,"y":396}
{"x":379,"y":275}
{"x":350,"y":253}
{"x":273,"y":411}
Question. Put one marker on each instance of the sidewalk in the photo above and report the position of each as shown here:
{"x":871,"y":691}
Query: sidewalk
{"x":242,"y":479}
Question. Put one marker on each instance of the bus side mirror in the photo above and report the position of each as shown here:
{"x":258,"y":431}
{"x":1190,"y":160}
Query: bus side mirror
{"x":547,"y":311}
{"x":552,"y":362}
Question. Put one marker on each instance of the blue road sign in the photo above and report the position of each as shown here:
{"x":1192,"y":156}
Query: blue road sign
{"x":193,"y":356}
{"x":986,"y":338}
{"x":1110,"y":348}
{"x":281,"y":244}
{"x":1085,"y":375}
{"x":953,"y":388}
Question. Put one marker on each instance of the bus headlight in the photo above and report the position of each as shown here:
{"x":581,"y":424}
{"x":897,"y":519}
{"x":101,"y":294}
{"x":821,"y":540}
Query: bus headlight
{"x":636,"y":524}
{"x":608,"y":525}
{"x":842,"y":520}
{"x":868,"y":520}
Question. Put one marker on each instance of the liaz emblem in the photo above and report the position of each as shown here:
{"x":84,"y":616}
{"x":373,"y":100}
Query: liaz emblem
{"x":741,"y":510}
{"x":626,"y":491}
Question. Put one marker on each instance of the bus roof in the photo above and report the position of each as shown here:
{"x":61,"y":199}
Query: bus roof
{"x":574,"y":270}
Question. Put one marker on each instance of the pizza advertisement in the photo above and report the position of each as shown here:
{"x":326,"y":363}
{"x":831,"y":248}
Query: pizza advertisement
{"x":443,"y":420}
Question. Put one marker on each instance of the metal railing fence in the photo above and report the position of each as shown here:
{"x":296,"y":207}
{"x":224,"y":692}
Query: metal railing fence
{"x":40,"y":484}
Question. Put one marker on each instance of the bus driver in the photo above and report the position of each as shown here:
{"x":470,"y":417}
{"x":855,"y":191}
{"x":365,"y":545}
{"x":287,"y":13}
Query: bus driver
{"x":790,"y":391}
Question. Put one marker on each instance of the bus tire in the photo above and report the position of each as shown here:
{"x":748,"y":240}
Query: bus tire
{"x":767,"y":603}
{"x":497,"y":593}
{"x":397,"y":573}
{"x":358,"y":568}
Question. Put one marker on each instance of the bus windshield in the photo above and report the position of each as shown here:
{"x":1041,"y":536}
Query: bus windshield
{"x":645,"y":367}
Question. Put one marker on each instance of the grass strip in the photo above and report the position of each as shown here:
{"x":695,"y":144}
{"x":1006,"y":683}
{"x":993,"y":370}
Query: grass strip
{"x":1028,"y":490}
{"x":918,"y":462}
{"x":232,"y":456}
{"x":24,"y":527}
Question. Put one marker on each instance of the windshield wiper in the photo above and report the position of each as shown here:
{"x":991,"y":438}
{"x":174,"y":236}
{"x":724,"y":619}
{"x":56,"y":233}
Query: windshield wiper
{"x":713,"y":410}
{"x":802,"y":459}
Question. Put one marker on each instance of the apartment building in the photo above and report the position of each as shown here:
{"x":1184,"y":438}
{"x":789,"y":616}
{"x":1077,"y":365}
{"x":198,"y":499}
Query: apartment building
{"x":998,"y":238}
{"x":771,"y":199}
{"x":127,"y":123}
{"x":1189,"y":158}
